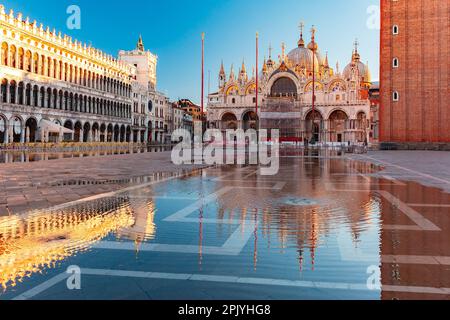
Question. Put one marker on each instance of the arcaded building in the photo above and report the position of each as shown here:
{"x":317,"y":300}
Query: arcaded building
{"x":341,"y":111}
{"x":55,"y":88}
{"x":414,"y":80}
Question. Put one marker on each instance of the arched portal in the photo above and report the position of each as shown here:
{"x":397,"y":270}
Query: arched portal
{"x":109,"y":133}
{"x":128,"y":137}
{"x":337,"y":124}
{"x":17,"y":128}
{"x":313,"y":126}
{"x":68,"y":136}
{"x":122,"y":133}
{"x":77,"y":131}
{"x":116,"y":133}
{"x":229,"y":121}
{"x":250,"y":120}
{"x":31,"y":130}
{"x":96,"y":132}
{"x":87,"y":132}
{"x":102,"y":132}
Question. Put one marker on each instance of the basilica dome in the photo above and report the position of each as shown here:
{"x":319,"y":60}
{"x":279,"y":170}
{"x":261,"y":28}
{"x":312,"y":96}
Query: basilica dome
{"x":303,"y":57}
{"x":363,"y":71}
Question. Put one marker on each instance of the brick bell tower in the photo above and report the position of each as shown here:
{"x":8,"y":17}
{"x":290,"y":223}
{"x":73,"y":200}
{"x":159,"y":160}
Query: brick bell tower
{"x":414,"y":75}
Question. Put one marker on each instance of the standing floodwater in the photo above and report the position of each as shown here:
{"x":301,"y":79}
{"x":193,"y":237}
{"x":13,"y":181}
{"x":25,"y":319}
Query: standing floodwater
{"x":323,"y":228}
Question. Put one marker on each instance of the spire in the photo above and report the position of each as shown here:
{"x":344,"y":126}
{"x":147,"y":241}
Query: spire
{"x":283,"y":51}
{"x":140,"y":44}
{"x":243,"y":69}
{"x":232,"y":78}
{"x":222,"y":76}
{"x":337,"y":67}
{"x":326,"y":64}
{"x":301,"y":42}
{"x":222,"y":69}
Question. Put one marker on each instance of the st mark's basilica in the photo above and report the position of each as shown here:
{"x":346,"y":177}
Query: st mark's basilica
{"x":341,"y":109}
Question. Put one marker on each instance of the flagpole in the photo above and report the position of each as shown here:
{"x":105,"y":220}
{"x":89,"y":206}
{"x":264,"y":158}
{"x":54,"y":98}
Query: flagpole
{"x":203,"y":73}
{"x":256,"y":75}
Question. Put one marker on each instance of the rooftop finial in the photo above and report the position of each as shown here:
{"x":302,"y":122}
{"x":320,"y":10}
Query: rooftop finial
{"x":140,"y":44}
{"x":356,"y":44}
{"x":301,"y":42}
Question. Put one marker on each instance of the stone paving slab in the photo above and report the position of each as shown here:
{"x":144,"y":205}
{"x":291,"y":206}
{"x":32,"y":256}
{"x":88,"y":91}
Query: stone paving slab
{"x":37,"y":185}
{"x":429,"y":168}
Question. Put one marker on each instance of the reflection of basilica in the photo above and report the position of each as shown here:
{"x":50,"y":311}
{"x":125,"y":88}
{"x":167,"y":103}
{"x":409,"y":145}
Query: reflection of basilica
{"x":29,"y":244}
{"x":342,"y":106}
{"x":306,"y":228}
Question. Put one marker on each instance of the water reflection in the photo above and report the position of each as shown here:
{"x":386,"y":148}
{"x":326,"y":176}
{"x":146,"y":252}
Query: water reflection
{"x":322,"y":220}
{"x":30,"y":244}
{"x":12,"y":156}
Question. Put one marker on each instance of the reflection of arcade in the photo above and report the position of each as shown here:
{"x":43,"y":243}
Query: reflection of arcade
{"x":143,"y":229}
{"x":42,"y":239}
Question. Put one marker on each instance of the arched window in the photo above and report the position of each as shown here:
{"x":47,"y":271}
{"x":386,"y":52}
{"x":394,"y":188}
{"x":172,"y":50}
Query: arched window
{"x":395,"y":30}
{"x":5,"y":53}
{"x":283,"y":87}
{"x":12,"y":92}
{"x":395,"y":96}
{"x":395,"y":63}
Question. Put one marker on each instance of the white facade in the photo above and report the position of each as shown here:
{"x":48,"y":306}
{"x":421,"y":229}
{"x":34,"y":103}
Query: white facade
{"x":285,"y":98}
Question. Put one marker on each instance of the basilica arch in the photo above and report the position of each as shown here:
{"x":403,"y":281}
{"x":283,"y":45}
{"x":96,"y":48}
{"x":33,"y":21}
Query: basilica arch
{"x":283,"y":86}
{"x":282,"y":74}
{"x":250,"y":120}
{"x":313,"y":126}
{"x":229,"y":121}
{"x":337,"y":126}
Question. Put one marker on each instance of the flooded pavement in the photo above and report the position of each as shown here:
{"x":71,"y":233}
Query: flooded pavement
{"x":323,"y":228}
{"x":12,"y":156}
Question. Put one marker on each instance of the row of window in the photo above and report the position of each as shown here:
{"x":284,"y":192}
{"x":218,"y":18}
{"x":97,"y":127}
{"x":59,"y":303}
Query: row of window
{"x":36,"y":96}
{"x":59,"y":70}
{"x":395,"y":64}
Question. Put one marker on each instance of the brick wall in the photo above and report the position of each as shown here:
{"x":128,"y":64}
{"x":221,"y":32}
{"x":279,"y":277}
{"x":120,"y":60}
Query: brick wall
{"x":422,"y":47}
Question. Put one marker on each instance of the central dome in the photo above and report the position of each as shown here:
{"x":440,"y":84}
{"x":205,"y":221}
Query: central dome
{"x":303,"y":57}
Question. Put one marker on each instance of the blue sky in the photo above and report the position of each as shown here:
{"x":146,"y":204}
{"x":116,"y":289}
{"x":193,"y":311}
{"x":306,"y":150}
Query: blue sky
{"x":172,"y":29}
